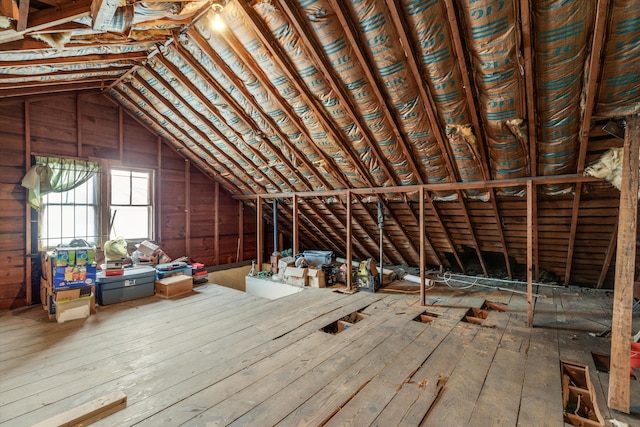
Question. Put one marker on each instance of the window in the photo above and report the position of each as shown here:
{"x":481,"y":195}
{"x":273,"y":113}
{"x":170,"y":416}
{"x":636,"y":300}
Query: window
{"x":69,"y":215}
{"x":131,"y":204}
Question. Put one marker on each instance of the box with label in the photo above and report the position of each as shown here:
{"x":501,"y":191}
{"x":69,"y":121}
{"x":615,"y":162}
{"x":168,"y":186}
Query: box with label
{"x":170,"y":287}
{"x":85,"y":256}
{"x":73,"y":276}
{"x":64,"y":256}
{"x":315,"y":278}
{"x":134,"y":283}
{"x":295,"y":276}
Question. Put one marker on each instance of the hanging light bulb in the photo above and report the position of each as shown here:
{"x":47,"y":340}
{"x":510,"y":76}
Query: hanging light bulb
{"x":217,"y":24}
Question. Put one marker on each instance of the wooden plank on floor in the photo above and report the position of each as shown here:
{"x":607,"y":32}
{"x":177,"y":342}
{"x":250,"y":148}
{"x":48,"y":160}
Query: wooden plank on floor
{"x":229,"y":359}
{"x":454,"y":405}
{"x":229,"y":398}
{"x":499,"y":400}
{"x":89,"y":412}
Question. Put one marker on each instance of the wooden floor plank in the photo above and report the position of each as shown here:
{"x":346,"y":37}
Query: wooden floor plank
{"x":223,"y":356}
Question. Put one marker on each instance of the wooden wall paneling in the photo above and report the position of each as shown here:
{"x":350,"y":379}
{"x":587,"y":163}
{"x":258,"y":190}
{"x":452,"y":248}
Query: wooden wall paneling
{"x":140,"y":146}
{"x":608,"y":256}
{"x":78,"y":125}
{"x":15,"y":274}
{"x":621,"y":323}
{"x":99,"y":127}
{"x":53,"y":126}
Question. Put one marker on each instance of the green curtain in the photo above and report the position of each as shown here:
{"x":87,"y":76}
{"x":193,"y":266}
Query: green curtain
{"x":51,"y":174}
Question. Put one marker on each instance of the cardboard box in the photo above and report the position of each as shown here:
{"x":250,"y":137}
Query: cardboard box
{"x":295,"y":276}
{"x":315,"y":278}
{"x":170,"y":287}
{"x":72,"y":309}
{"x":85,"y":256}
{"x":63,"y":257}
{"x":74,"y":276}
{"x":148,"y":248}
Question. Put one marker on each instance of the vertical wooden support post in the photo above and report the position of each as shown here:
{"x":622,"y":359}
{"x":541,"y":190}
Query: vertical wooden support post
{"x":216,"y":224}
{"x":78,"y":126}
{"x":530,"y":195}
{"x":619,"y":382}
{"x":349,"y":251}
{"x":423,"y":263}
{"x":121,"y":131}
{"x":159,"y":194}
{"x":240,"y":255}
{"x":295,"y":230}
{"x":187,"y":207}
{"x":27,"y":206}
{"x":259,"y":234}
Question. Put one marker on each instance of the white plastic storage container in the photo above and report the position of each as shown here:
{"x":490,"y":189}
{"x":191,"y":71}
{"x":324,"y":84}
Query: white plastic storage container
{"x":71,"y":309}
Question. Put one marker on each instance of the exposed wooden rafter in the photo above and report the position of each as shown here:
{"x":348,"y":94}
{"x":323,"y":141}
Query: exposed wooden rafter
{"x":593,"y":75}
{"x":102,"y":12}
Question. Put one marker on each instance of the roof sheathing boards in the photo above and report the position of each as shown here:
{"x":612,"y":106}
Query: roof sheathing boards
{"x":492,"y":39}
{"x":620,"y":80}
{"x":563,"y":31}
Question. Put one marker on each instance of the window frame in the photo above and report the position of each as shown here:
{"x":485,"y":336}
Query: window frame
{"x":152,"y":201}
{"x":97,"y":210}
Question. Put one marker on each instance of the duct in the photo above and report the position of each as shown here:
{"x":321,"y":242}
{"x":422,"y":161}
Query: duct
{"x":267,"y":106}
{"x":620,"y":78}
{"x":492,"y":38}
{"x":236,"y":21}
{"x":166,"y":130}
{"x":426,"y":20}
{"x":333,"y":40}
{"x":562,"y":31}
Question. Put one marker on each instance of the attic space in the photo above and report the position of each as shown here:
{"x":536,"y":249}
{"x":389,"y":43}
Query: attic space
{"x":423,"y":160}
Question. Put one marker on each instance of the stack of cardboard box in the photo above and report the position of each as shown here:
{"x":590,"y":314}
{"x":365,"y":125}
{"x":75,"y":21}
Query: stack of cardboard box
{"x":67,"y":286}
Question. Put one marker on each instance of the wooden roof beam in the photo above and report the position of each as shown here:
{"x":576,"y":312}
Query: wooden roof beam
{"x":204,"y":46}
{"x":236,"y":47}
{"x":101,"y":81}
{"x":131,"y":57}
{"x":525,"y":18}
{"x":602,"y":12}
{"x":213,"y":174}
{"x":191,"y":62}
{"x":339,"y":235}
{"x":214,"y":129}
{"x":311,"y":43}
{"x":102,"y":13}
{"x":401,"y":29}
{"x":242,"y":114}
{"x":289,"y":70}
{"x":47,"y":18}
{"x":448,"y":186}
{"x":23,"y":15}
{"x":447,"y":236}
{"x":194,"y":155}
{"x":62,"y":87}
{"x":9,"y":8}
